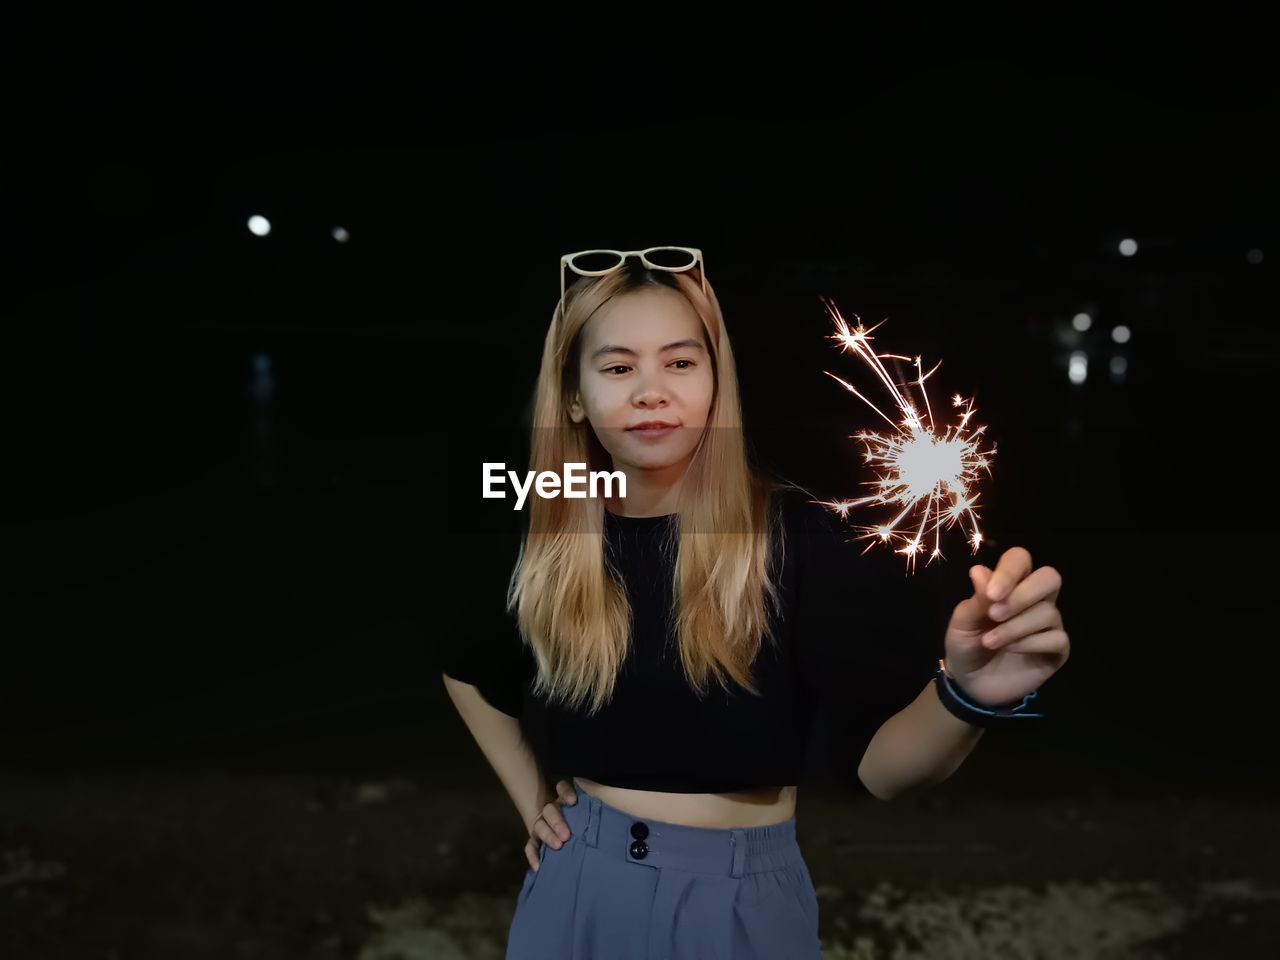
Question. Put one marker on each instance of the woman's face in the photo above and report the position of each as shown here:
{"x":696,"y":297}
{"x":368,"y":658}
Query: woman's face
{"x":644,"y":359}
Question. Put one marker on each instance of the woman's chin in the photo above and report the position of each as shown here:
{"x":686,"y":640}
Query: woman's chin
{"x":650,"y":460}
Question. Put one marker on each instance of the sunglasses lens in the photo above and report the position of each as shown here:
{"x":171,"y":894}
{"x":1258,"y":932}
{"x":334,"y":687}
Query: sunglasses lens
{"x":596,"y":261}
{"x":672,"y":258}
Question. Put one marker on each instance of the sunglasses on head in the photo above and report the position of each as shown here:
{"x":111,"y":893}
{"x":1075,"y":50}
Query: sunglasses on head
{"x":597,"y":263}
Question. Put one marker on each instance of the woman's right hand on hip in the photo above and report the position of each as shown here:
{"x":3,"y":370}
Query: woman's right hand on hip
{"x":549,"y":826}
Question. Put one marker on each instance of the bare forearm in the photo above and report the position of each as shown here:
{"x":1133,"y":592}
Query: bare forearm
{"x":504,"y":746}
{"x":919,"y":746}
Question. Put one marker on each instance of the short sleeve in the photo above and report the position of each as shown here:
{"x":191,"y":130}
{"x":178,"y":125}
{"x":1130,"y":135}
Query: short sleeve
{"x":499,"y":665}
{"x":867,"y":634}
{"x":483,"y":645}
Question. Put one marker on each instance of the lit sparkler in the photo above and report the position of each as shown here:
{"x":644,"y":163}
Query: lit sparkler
{"x":929,"y":474}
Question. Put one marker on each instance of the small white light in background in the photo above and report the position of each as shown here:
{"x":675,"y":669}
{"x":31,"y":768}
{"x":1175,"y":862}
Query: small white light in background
{"x":1119,"y":367}
{"x":1255,"y":256}
{"x":1082,"y":322}
{"x":1128,"y":247}
{"x":340,"y":234}
{"x":259,"y":226}
{"x":1120,"y":334}
{"x":1078,"y":367}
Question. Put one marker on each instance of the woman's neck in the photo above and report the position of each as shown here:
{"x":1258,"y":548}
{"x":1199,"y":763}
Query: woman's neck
{"x":650,"y":493}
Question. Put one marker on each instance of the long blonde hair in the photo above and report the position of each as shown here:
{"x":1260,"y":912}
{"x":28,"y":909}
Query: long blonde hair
{"x":569,"y":603}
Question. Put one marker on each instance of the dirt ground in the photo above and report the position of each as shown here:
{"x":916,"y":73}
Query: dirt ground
{"x":137,"y":864}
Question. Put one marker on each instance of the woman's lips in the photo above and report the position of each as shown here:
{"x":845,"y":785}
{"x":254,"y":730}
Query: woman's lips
{"x":652,"y":433}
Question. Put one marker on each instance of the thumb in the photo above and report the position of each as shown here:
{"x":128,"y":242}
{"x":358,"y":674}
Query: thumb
{"x":566,"y":792}
{"x":972,"y":614}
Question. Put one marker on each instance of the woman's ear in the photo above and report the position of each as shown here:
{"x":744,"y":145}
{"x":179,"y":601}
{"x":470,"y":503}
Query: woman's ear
{"x":576,"y":413}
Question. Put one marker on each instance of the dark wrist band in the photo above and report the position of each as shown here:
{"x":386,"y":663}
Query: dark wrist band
{"x":963,"y":706}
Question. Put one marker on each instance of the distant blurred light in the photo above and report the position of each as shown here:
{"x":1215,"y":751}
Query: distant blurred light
{"x":262,"y":381}
{"x":1255,"y":255}
{"x":1119,"y":367}
{"x":1120,"y":334}
{"x":1078,"y":368}
{"x":1128,"y":247}
{"x":1082,"y":322}
{"x":340,"y":234}
{"x":259,"y":226}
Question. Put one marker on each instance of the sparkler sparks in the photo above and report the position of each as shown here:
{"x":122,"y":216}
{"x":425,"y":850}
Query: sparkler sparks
{"x":929,"y":474}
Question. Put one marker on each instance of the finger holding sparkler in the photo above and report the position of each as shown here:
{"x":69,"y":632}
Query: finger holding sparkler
{"x":1007,"y":639}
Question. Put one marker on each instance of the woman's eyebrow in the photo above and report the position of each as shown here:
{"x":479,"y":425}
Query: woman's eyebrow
{"x":674,"y":345}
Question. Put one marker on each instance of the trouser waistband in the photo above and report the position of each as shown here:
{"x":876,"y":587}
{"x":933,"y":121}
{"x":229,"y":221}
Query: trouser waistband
{"x":655,"y":843}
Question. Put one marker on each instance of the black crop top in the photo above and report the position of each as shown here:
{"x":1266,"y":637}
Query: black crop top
{"x":857,"y":634}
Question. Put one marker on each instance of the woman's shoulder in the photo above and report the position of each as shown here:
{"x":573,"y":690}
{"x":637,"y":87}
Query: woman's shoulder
{"x":810,"y":532}
{"x":801,"y":511}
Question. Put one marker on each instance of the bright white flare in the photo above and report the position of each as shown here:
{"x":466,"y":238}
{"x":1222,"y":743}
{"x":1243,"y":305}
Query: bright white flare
{"x":929,"y":475}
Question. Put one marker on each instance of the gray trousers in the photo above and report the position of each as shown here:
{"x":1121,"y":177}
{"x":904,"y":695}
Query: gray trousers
{"x":625,"y":888}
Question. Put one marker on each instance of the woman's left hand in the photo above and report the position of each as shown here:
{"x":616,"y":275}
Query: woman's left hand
{"x":1008,"y":638}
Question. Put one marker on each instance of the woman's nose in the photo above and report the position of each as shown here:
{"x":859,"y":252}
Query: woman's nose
{"x":650,"y":398}
{"x":648,"y":394}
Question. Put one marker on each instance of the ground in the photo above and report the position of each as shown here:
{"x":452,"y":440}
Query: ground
{"x":141,"y":864}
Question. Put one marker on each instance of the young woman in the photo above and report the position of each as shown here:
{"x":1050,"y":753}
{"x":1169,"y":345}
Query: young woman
{"x":676,"y":640}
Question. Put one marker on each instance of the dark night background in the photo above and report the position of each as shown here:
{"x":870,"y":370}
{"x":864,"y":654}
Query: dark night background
{"x":242,"y":471}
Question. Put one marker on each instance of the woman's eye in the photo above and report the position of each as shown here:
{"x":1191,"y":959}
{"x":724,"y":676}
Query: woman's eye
{"x":624,"y":367}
